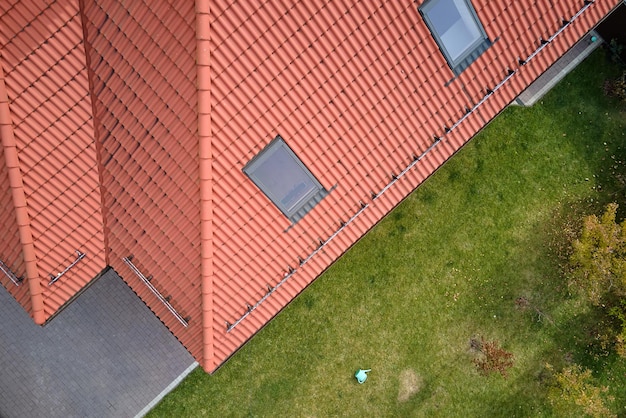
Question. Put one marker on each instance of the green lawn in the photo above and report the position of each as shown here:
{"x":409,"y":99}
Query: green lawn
{"x":447,"y":264}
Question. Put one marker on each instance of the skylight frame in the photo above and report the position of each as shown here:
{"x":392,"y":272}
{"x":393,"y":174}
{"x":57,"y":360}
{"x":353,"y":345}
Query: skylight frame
{"x":472,"y":50}
{"x":303,"y":202}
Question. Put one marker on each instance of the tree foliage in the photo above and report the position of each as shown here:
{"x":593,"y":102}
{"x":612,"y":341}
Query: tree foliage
{"x":599,"y":257}
{"x":598,"y":264}
{"x":573,"y":393}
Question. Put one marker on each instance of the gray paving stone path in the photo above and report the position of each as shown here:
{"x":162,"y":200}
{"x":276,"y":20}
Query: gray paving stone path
{"x":559,"y":69}
{"x":105,"y":355}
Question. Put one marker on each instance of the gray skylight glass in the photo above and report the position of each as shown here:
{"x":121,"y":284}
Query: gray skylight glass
{"x":285,"y":180}
{"x":457,"y":30}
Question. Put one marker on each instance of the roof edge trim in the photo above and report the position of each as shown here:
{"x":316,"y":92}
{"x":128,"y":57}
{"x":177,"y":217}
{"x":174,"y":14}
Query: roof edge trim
{"x":203,"y":73}
{"x":19,"y":202}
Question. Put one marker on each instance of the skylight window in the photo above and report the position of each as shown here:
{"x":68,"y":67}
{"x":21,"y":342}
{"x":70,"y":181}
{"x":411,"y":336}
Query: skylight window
{"x":457,"y":30}
{"x":285,"y":180}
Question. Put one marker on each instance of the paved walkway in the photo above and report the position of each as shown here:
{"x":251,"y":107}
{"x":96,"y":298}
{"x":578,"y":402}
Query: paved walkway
{"x":559,"y":69}
{"x":105,"y":355}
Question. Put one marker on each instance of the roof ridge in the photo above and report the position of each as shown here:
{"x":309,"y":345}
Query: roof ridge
{"x":19,"y":201}
{"x":203,"y":69}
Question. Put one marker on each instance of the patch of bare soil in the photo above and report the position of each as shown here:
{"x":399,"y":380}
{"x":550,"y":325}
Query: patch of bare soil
{"x":410,"y":384}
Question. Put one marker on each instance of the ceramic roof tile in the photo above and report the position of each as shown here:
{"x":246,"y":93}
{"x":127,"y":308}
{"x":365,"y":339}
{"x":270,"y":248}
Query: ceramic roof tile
{"x":46,"y":82}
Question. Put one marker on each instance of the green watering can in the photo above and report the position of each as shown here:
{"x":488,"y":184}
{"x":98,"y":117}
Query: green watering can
{"x":361,"y":375}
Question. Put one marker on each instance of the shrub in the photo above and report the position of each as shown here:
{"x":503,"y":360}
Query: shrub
{"x":572,"y":393}
{"x":493,"y":359}
{"x":598,"y":264}
{"x":616,"y":88}
{"x":598,"y":260}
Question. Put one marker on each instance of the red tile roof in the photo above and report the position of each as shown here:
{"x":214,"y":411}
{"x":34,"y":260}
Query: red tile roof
{"x":132,"y":123}
{"x":54,"y":180}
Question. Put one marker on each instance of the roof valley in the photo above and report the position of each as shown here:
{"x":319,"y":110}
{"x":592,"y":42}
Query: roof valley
{"x":96,"y":126}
